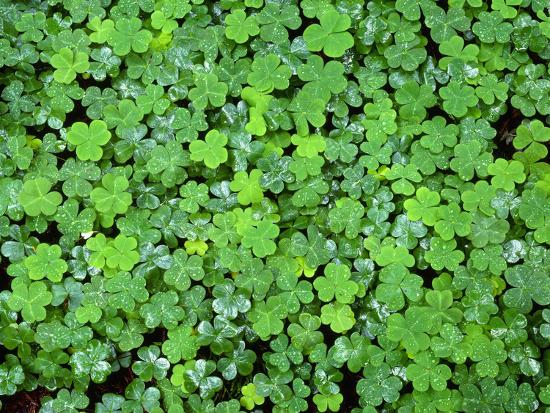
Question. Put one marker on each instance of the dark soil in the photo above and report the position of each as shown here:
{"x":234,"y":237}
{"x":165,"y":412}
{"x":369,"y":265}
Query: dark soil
{"x":24,"y":402}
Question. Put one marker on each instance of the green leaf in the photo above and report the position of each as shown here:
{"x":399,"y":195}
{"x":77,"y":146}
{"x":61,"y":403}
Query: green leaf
{"x":330,"y":35}
{"x":11,"y":377}
{"x":330,"y":402}
{"x":424,"y":207}
{"x":123,"y":116}
{"x":275,"y":18}
{"x":20,"y":153}
{"x":306,"y":109}
{"x":268,"y":74}
{"x":346,"y":217}
{"x":67,"y":64}
{"x":69,"y":402}
{"x":184,"y":269}
{"x":150,"y":364}
{"x":336,"y":284}
{"x":396,"y":284}
{"x":266,"y":317}
{"x":153,"y":100}
{"x":323,"y":80}
{"x":46,"y":263}
{"x":394,"y":255}
{"x":488,"y":354}
{"x":239,"y":27}
{"x":247,"y":186}
{"x":453,"y":48}
{"x":120,"y":253}
{"x":403,"y":176}
{"x":491,"y":28}
{"x":208,"y":90}
{"x":338,"y":316}
{"x":457,"y":99}
{"x":89,"y":139}
{"x":410,"y":330}
{"x":128,"y":35}
{"x":250,"y":398}
{"x":353,"y":350}
{"x":426,"y":372}
{"x":240,"y":361}
{"x":414,"y":99}
{"x":491,"y":88}
{"x":111,"y":197}
{"x":126,"y":291}
{"x":315,"y":248}
{"x":452,"y":221}
{"x":260,"y":238}
{"x":212,"y":150}
{"x":37,"y":199}
{"x":470,"y":159}
{"x":378,"y":385}
{"x":506,"y":173}
{"x":528,"y":284}
{"x":229,"y":303}
{"x":438,"y":135}
{"x":101,"y":29}
{"x":31,"y":300}
{"x":409,"y":8}
{"x":181,"y":344}
{"x":305,"y":335}
{"x":168,"y":161}
{"x":442,"y":254}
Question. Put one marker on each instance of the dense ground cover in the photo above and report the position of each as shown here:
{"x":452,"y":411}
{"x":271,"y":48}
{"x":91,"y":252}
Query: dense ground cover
{"x":277,"y":206}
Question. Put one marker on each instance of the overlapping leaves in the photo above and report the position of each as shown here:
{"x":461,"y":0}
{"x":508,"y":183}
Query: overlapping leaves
{"x":275,"y":206}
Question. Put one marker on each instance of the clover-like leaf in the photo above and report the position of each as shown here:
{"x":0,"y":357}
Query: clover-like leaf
{"x":128,"y":35}
{"x":378,"y":385}
{"x":89,"y":139}
{"x":394,"y":255}
{"x":181,"y":344}
{"x":168,"y":161}
{"x":250,"y":398}
{"x":247,"y":186}
{"x":268,"y":74}
{"x":212,"y":150}
{"x":424,"y":207}
{"x":260,"y":238}
{"x":396,"y":284}
{"x":488,"y":354}
{"x":111,"y":197}
{"x":452,"y":221}
{"x":442,"y":254}
{"x":470,"y":159}
{"x":68,"y":63}
{"x":336,"y":284}
{"x":183,"y":269}
{"x":529,"y":284}
{"x":330,"y":35}
{"x":457,"y":99}
{"x":208,"y":90}
{"x":150,"y":364}
{"x":339,"y":316}
{"x":403,"y":177}
{"x":120,"y":253}
{"x":46,"y":263}
{"x":240,"y":27}
{"x":506,"y":173}
{"x":31,"y":300}
{"x":267,"y":316}
{"x":36,"y":197}
{"x":410,"y":330}
{"x":426,"y":372}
